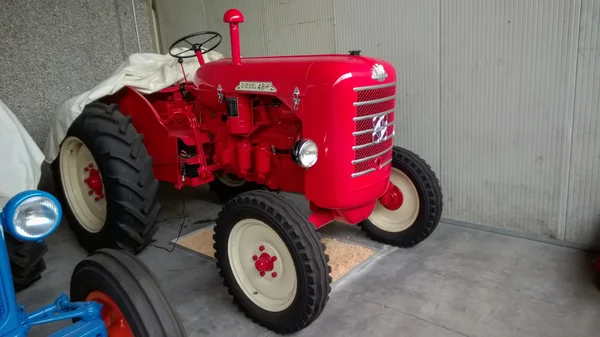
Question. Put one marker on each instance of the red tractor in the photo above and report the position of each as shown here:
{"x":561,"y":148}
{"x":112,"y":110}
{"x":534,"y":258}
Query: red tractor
{"x":318,"y":125}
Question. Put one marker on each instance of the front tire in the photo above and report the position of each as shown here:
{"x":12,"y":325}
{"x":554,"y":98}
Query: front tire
{"x":105,"y":181}
{"x":133,"y":302}
{"x":272,"y":261}
{"x":421,"y":210}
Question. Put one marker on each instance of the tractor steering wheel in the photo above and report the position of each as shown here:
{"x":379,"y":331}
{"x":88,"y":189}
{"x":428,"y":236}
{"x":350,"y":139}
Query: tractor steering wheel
{"x":194,"y":47}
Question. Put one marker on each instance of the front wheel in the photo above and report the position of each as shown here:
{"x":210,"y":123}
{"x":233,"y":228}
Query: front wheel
{"x":133,"y":302}
{"x":272,"y":261}
{"x":421,"y":210}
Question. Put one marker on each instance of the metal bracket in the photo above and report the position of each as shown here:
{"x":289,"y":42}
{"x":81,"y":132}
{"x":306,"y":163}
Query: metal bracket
{"x":220,"y":93}
{"x":296,"y":97}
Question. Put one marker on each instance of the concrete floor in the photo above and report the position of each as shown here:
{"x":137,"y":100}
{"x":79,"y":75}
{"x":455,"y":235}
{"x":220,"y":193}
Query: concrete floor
{"x":459,"y":282}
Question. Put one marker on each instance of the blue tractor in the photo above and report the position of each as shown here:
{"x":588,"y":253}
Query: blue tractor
{"x":112,"y":292}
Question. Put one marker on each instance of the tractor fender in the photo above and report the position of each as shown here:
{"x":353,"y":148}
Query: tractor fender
{"x":161,"y":146}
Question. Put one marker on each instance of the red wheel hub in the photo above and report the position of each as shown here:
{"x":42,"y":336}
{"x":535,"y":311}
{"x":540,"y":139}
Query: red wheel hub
{"x":116,"y":324}
{"x":264,"y":263}
{"x":94,"y":182}
{"x":393,"y":198}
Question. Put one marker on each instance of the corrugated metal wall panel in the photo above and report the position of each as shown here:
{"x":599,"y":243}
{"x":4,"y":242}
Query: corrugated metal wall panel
{"x":293,"y":27}
{"x":507,"y":100}
{"x":406,"y":33}
{"x":174,"y":23}
{"x":251,"y":31}
{"x":583,"y":216}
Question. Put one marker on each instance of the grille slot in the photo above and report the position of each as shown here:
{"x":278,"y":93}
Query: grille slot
{"x":375,"y":108}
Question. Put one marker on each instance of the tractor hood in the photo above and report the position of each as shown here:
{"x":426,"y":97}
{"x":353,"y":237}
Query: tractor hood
{"x":281,"y":75}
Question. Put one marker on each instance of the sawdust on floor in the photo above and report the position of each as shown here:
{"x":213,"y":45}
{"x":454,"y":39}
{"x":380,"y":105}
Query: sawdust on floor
{"x":201,"y":242}
{"x":343,"y":256}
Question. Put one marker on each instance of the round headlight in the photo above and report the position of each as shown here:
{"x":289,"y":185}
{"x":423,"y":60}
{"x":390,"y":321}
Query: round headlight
{"x":32,"y":215}
{"x":305,"y":153}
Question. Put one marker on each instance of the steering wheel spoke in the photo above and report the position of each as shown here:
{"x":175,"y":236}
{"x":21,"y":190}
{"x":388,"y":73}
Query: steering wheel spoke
{"x":195,"y":46}
{"x":185,"y":51}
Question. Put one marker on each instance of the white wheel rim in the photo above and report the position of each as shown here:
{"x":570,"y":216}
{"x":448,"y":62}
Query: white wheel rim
{"x":88,"y":208}
{"x":271,"y":292}
{"x":405,"y":216}
{"x":230,"y":180}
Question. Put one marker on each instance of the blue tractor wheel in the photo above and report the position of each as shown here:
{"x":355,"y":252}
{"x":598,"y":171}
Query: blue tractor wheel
{"x":26,"y":261}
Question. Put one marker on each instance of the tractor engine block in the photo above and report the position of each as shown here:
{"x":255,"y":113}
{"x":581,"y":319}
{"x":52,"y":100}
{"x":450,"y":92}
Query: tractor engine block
{"x":253,"y":139}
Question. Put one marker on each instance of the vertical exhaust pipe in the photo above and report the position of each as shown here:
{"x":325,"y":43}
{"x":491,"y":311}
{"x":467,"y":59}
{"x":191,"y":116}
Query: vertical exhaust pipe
{"x":234,"y":17}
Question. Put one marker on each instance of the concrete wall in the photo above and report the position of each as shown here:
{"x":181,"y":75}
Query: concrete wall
{"x":52,"y":50}
{"x":501,"y":97}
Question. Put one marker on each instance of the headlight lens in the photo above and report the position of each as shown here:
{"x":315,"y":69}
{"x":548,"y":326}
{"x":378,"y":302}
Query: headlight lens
{"x":35,"y":217}
{"x":305,"y":153}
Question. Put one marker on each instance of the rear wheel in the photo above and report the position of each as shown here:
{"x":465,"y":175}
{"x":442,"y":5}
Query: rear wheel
{"x":227,"y":185}
{"x":272,"y":261}
{"x":133,"y":302}
{"x":106,"y":183}
{"x":26,"y":261}
{"x":421,"y":209}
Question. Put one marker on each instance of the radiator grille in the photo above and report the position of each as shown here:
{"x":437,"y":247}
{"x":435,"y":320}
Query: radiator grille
{"x":374,"y":114}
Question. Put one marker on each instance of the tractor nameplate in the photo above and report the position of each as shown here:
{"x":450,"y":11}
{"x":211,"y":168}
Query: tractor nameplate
{"x":256,"y":86}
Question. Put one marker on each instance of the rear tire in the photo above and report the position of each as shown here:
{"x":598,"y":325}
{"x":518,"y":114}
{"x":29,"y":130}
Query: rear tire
{"x":227,"y":186}
{"x":125,"y":280}
{"x":421,"y":211}
{"x":125,"y":213}
{"x":26,"y":261}
{"x":291,"y":294}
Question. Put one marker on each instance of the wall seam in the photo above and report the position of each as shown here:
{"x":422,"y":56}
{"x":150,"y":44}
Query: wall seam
{"x":262,"y":19}
{"x":204,"y":15}
{"x":135,"y":22}
{"x":335,"y":41}
{"x":562,"y":230}
{"x":440,"y":91}
{"x":120,"y":26}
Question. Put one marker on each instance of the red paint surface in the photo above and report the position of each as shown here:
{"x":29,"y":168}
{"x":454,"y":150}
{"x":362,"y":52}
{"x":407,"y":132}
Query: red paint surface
{"x":255,"y":145}
{"x":116,"y":324}
{"x":265,"y":262}
{"x":392,"y":199}
{"x":234,"y":17}
{"x":94,"y":182}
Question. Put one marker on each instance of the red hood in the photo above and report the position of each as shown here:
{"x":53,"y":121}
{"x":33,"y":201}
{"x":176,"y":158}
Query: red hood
{"x":286,"y":72}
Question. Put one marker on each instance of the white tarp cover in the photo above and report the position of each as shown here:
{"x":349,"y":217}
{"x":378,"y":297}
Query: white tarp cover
{"x":145,"y":72}
{"x":20,"y":157}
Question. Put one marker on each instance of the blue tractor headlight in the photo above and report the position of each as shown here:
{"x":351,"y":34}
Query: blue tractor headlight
{"x":32,"y":215}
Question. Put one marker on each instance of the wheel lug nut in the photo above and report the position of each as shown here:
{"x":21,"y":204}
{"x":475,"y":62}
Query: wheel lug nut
{"x":274,"y":274}
{"x":261,"y":248}
{"x":85,"y":180}
{"x":91,"y":165}
{"x":91,"y":192}
{"x":97,"y":199}
{"x":262,"y":273}
{"x":86,"y":169}
{"x":273,"y":258}
{"x":254,"y":257}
